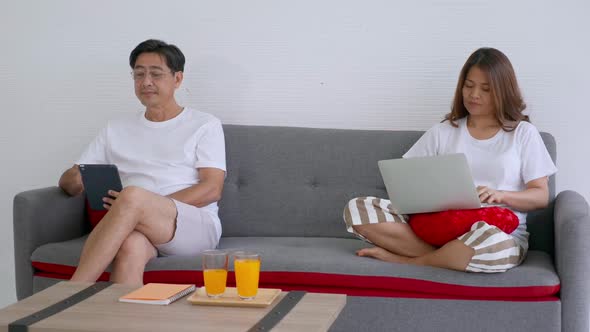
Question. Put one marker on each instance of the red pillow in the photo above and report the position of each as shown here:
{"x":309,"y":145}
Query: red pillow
{"x":438,"y":228}
{"x":94,"y":216}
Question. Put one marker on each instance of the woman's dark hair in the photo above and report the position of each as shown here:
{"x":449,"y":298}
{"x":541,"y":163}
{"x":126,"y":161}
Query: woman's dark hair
{"x":171,"y":54}
{"x":504,"y":89}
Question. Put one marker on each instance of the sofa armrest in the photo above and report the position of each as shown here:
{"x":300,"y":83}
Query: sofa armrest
{"x":42,"y":216}
{"x":572,"y":249}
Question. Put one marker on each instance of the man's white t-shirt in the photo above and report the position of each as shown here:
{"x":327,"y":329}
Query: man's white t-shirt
{"x":507,"y":161}
{"x":162,"y":157}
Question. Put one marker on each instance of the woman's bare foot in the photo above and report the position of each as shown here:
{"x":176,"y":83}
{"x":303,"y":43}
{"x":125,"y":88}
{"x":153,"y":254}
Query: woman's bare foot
{"x":382,"y":254}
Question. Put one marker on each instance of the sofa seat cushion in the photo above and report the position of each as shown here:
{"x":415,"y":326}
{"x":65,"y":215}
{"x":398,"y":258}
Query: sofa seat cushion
{"x":330,"y":265}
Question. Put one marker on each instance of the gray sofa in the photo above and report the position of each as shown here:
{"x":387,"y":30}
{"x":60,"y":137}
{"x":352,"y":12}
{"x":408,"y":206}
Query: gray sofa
{"x":283,"y":197}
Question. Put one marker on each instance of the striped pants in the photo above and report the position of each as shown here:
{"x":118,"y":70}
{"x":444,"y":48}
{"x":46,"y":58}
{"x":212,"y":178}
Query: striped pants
{"x":495,"y":251}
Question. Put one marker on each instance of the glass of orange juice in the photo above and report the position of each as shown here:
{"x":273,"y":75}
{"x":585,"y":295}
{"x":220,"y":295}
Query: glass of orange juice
{"x":215,"y":271}
{"x":247,"y":269}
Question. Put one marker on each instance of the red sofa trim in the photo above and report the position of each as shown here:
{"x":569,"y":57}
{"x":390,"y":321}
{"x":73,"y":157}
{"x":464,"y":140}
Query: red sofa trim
{"x":354,"y":285}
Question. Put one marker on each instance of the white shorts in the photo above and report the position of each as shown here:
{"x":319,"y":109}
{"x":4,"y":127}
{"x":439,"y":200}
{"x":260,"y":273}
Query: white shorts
{"x":196,"y":230}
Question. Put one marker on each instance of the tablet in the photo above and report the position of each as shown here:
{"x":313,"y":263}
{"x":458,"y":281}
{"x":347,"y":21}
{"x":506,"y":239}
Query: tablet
{"x":98,"y":179}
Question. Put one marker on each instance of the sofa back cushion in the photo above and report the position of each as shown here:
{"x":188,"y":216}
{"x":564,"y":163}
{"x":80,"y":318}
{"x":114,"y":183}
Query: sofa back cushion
{"x":288,"y":181}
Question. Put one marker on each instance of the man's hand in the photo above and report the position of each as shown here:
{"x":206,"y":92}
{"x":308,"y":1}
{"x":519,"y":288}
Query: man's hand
{"x":109,"y":200}
{"x":71,"y":181}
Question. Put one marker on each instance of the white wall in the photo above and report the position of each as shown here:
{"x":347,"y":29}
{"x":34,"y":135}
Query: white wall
{"x":333,"y":64}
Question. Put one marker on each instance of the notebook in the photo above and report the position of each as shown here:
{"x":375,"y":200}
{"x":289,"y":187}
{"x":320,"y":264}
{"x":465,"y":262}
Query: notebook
{"x":430,"y":184}
{"x":161,"y":294}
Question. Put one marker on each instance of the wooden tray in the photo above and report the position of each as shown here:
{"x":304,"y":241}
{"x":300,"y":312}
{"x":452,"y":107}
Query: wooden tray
{"x":230,"y":298}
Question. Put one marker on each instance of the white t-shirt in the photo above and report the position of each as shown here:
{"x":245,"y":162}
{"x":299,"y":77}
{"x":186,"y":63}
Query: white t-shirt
{"x":162,"y":157}
{"x":507,"y":161}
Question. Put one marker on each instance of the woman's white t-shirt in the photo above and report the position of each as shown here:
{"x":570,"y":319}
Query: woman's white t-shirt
{"x":162,"y":157}
{"x":507,"y":161}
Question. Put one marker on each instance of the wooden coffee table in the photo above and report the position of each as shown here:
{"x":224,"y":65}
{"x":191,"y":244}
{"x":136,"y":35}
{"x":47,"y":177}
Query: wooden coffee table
{"x":102,"y":312}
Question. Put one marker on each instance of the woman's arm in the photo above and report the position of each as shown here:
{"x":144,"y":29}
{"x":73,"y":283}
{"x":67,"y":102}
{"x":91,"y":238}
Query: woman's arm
{"x":535,"y":196}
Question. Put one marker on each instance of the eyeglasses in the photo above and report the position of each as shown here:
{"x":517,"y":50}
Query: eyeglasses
{"x":156,"y":75}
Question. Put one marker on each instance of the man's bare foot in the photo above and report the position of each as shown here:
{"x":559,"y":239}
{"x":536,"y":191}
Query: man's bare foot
{"x":382,"y":254}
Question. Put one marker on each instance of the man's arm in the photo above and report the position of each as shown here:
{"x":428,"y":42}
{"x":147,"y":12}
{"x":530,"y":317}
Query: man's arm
{"x":207,"y":191}
{"x":71,"y":181}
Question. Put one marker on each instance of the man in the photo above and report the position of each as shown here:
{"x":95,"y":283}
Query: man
{"x":171,"y":161}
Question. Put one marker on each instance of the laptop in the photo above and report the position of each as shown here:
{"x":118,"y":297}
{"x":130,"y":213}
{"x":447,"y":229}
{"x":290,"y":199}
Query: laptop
{"x":430,"y":184}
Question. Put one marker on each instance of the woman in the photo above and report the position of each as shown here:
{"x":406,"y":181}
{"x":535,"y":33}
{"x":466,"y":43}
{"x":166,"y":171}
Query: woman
{"x":510,"y":166}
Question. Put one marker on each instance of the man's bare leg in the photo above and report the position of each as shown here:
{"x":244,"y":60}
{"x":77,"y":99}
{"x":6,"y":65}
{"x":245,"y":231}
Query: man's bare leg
{"x":135,"y":209}
{"x":131,"y":259}
{"x":395,"y":237}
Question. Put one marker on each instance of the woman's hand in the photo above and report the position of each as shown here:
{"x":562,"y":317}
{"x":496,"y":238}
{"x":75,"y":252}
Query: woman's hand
{"x":535,"y":196}
{"x":489,"y":195}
